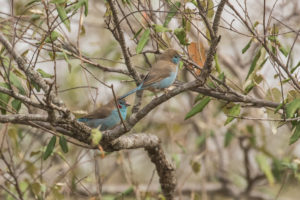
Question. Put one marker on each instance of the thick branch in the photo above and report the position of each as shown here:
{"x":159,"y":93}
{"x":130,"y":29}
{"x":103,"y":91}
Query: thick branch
{"x":22,"y":118}
{"x":134,"y":141}
{"x":165,"y":170}
{"x":235,"y":98}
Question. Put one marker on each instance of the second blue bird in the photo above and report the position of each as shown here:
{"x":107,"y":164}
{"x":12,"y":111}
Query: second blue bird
{"x":162,"y":74}
{"x":106,"y":116}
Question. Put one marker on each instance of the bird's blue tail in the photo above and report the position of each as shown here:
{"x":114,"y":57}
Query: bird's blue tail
{"x":132,"y":91}
{"x":82,"y":120}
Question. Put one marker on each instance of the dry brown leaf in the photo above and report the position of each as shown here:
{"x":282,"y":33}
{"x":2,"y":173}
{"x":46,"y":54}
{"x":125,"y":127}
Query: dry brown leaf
{"x":197,"y":54}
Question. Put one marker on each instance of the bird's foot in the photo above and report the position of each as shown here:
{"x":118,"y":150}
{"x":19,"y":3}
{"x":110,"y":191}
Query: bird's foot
{"x":101,"y":151}
{"x":167,"y":90}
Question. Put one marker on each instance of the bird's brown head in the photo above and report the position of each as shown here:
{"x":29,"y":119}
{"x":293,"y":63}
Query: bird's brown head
{"x":170,"y":55}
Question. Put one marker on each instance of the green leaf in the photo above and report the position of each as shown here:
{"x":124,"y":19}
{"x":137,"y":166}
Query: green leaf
{"x":53,"y":36}
{"x":58,"y":1}
{"x":96,"y":136}
{"x":292,"y":107}
{"x":233,"y":112}
{"x":261,"y":159}
{"x":254,"y":62}
{"x":15,"y":81}
{"x":247,"y":46}
{"x":221,"y":77}
{"x":228,"y":138}
{"x":198,"y":108}
{"x":296,"y":134}
{"x":4,"y":99}
{"x":181,"y":35}
{"x":36,"y":188}
{"x":36,"y":86}
{"x":160,"y":28}
{"x":86,"y":7}
{"x":30,"y":168}
{"x":67,"y":60}
{"x":50,"y":148}
{"x":143,"y":41}
{"x":263,"y":63}
{"x":63,"y":15}
{"x":63,"y":144}
{"x":137,"y":33}
{"x":16,"y":104}
{"x":44,"y":74}
{"x":218,"y":68}
{"x":172,"y":12}
{"x":78,"y":5}
{"x":180,"y":64}
{"x":257,"y":79}
{"x":31,"y":2}
{"x":278,"y":107}
{"x":210,"y":9}
{"x":294,"y":68}
{"x":283,"y":51}
{"x":196,"y":166}
{"x":249,"y":87}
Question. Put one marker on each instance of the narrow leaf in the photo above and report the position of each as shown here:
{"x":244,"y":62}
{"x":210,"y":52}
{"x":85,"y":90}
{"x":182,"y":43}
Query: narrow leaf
{"x":261,"y":159}
{"x":296,"y":134}
{"x":63,"y":144}
{"x":143,"y":41}
{"x":210,"y":9}
{"x":4,"y":99}
{"x":233,"y":112}
{"x":292,"y":107}
{"x":67,"y":60}
{"x":172,"y":12}
{"x":247,"y":46}
{"x":198,"y":108}
{"x":283,"y":51}
{"x":63,"y":15}
{"x":50,"y":147}
{"x":254,"y":62}
{"x":16,"y":104}
{"x":160,"y":28}
{"x":218,"y":68}
{"x":228,"y":138}
{"x":44,"y":74}
{"x":137,"y":33}
{"x":53,"y":36}
{"x":294,"y":68}
{"x":15,"y":81}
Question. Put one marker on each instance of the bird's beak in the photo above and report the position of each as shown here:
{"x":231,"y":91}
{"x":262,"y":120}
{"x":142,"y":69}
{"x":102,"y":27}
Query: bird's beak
{"x":127,"y":104}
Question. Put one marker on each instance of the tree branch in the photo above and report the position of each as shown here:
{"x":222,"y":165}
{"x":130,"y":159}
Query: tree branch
{"x":122,"y":43}
{"x":165,"y":170}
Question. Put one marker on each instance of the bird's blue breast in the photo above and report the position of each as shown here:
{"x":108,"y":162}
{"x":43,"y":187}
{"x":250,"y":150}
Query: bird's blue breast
{"x":166,"y":82}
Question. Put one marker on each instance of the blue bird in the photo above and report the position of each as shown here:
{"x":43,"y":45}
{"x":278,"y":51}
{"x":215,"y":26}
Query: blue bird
{"x":162,"y":74}
{"x":106,"y":116}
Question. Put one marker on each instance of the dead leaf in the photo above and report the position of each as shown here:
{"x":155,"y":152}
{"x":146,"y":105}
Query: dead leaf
{"x":197,"y":54}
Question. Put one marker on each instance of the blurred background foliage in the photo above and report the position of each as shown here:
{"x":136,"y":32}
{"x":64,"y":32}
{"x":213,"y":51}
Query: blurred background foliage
{"x":213,"y":160}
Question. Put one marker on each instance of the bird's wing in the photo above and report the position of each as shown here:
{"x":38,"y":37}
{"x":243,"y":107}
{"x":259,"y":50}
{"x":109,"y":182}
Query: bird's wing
{"x":160,"y":70}
{"x":102,"y":112}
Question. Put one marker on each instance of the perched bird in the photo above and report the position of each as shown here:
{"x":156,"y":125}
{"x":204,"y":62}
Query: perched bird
{"x":162,"y":74}
{"x":106,"y":116}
